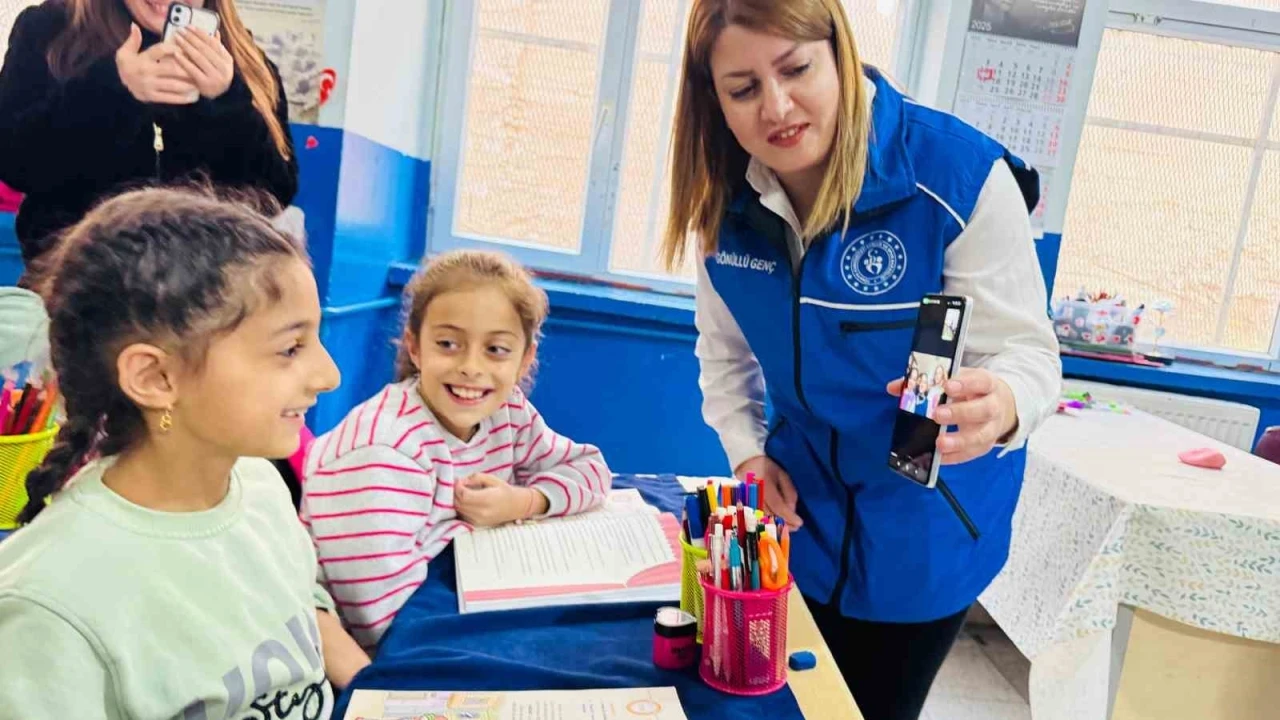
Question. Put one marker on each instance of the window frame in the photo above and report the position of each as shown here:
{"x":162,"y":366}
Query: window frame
{"x":1204,"y":21}
{"x":616,"y":66}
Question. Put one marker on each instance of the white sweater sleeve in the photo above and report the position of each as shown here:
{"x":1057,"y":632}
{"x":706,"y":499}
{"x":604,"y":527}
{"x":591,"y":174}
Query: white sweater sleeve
{"x":729,"y":375}
{"x":994,"y":262}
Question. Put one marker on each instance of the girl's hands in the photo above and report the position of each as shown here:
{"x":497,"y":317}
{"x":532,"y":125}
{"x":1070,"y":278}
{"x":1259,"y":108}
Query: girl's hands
{"x":153,"y":75}
{"x":485,"y":501}
{"x":206,"y":61}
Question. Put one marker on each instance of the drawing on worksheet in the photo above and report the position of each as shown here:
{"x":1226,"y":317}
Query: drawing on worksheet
{"x":618,"y":704}
{"x":1015,"y":75}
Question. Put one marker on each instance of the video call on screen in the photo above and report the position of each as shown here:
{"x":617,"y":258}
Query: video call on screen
{"x":932,"y":353}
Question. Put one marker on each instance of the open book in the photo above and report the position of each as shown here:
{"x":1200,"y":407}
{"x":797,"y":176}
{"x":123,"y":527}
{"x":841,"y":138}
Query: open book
{"x":624,"y":552}
{"x":659,"y":703}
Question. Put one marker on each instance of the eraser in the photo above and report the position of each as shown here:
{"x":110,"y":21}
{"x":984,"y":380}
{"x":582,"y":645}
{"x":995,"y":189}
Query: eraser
{"x":802,"y":660}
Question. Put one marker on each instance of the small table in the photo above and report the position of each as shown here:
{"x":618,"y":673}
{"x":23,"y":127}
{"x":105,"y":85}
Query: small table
{"x":430,"y":646}
{"x":1112,"y":534}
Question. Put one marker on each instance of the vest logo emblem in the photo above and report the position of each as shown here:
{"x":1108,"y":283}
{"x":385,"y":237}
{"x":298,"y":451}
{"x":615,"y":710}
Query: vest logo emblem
{"x":874,"y":263}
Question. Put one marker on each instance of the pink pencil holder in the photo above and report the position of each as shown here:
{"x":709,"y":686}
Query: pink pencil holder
{"x":744,"y":640}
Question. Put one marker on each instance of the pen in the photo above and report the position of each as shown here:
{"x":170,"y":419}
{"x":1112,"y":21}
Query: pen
{"x":726,"y":495}
{"x":786,"y":549}
{"x":713,"y":492}
{"x":753,"y":497}
{"x":694,"y":515}
{"x":704,"y":502}
{"x":735,"y":567}
{"x":753,"y":552}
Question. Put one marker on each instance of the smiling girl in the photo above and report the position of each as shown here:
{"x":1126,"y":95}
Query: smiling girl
{"x":454,"y":443}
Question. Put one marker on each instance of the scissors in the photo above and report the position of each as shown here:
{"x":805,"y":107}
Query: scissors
{"x":774,"y":573}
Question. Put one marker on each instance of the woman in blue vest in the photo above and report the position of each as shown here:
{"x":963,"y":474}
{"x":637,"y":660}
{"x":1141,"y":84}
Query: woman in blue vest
{"x":823,"y":205}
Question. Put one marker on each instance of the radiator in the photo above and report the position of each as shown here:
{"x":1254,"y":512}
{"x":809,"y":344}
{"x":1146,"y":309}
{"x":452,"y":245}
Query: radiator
{"x":1231,"y":423}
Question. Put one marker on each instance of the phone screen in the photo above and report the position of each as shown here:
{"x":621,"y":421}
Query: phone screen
{"x":937,"y":345}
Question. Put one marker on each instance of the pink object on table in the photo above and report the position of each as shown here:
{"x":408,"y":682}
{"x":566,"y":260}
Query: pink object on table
{"x":1268,"y":447}
{"x":1203,"y":457}
{"x":298,"y":459}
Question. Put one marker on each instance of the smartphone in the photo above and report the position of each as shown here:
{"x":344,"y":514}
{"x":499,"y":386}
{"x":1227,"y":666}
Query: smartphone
{"x":182,"y":15}
{"x":935,"y":354}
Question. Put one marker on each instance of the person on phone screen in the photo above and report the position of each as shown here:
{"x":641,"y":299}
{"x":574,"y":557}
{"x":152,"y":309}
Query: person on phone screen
{"x":908,"y":399}
{"x":858,"y":202}
{"x":936,"y":391}
{"x":92,"y":102}
{"x":923,"y":388}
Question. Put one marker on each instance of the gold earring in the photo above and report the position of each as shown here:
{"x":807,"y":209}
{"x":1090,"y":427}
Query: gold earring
{"x":166,"y":421}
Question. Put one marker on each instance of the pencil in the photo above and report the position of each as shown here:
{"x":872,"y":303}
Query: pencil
{"x":22,"y":411}
{"x":46,"y":409}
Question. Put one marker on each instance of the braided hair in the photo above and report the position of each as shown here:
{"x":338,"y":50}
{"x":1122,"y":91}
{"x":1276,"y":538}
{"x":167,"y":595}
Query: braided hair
{"x":170,"y":267}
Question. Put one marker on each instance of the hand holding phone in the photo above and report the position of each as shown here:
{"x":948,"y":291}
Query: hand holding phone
{"x":935,"y":393}
{"x":981,"y":406}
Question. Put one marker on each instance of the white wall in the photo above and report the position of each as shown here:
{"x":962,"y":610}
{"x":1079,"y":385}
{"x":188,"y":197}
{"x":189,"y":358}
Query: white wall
{"x":391,"y":77}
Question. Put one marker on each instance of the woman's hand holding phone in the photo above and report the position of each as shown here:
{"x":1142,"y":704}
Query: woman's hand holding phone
{"x":982,"y":408}
{"x":153,"y":75}
{"x":779,"y":492}
{"x":206,"y":61}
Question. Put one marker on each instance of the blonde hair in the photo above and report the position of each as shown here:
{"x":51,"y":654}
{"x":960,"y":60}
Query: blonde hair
{"x":97,"y":28}
{"x":706,"y":160}
{"x":466,"y":270}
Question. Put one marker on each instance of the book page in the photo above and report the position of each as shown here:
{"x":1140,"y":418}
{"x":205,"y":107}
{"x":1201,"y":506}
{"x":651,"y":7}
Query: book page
{"x":597,"y":548}
{"x":648,"y":703}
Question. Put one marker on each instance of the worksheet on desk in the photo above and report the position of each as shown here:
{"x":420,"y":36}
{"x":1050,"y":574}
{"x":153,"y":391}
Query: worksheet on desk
{"x":649,"y":703}
{"x":596,"y":548}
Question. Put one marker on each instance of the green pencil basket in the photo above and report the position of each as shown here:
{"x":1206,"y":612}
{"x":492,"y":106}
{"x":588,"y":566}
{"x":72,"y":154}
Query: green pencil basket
{"x":690,"y":583}
{"x":19,"y":455}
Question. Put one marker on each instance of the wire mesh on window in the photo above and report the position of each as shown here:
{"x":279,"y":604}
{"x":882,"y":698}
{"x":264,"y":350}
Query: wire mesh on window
{"x":530,"y":115}
{"x":1182,"y":84}
{"x":9,"y":10}
{"x":1252,"y":311}
{"x":643,"y":200}
{"x":1155,"y":217}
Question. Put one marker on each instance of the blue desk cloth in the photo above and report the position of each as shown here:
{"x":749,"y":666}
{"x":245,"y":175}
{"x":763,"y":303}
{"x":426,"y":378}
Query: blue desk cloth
{"x":429,"y":646}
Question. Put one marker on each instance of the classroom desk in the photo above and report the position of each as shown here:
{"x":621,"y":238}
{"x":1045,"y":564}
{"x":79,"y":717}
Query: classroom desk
{"x":429,"y":646}
{"x":820,"y":692}
{"x":1139,"y":583}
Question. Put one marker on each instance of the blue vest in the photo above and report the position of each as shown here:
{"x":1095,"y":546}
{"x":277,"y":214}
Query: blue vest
{"x":832,"y":332}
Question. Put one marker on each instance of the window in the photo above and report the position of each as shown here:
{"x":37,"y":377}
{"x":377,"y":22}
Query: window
{"x":556,"y":127}
{"x":1175,"y":192}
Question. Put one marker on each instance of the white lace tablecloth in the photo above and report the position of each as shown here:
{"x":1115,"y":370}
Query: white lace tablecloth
{"x":1109,"y":516}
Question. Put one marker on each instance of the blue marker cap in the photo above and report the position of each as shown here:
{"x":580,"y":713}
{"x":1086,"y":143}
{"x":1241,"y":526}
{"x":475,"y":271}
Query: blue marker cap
{"x":753,"y":496}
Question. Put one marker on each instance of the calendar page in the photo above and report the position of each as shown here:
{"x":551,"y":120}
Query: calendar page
{"x":1014,"y":76}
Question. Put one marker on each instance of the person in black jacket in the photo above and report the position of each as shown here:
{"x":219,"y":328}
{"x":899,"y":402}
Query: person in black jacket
{"x":92,"y":102}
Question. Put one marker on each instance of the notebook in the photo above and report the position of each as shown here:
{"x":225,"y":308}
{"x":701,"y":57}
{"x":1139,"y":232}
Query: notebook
{"x":657,"y":703}
{"x":624,"y":552}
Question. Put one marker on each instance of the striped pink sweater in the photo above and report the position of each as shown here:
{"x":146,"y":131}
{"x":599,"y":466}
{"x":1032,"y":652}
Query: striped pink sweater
{"x":378,"y":493}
